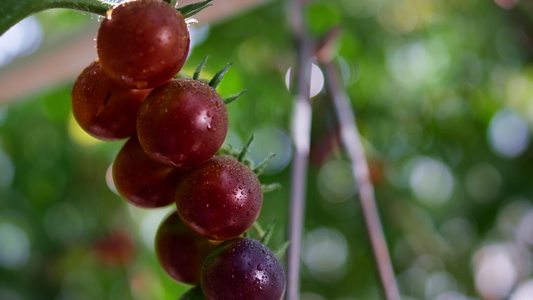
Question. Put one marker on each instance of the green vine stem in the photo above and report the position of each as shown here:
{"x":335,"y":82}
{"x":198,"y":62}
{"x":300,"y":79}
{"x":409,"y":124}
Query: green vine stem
{"x":14,"y":11}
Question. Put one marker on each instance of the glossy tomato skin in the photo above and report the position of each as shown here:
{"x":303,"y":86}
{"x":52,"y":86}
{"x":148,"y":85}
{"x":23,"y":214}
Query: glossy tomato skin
{"x":219,"y":199}
{"x":102,"y":108}
{"x":143,"y":43}
{"x":142,"y":181}
{"x":182,"y":123}
{"x":242,"y":268}
{"x":180,"y":251}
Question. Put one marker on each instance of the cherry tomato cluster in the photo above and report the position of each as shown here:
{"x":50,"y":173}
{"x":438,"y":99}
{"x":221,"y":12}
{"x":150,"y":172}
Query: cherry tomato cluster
{"x":175,"y":128}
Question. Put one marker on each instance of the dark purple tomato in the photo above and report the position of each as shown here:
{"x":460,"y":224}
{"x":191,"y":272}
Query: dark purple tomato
{"x":182,"y":123}
{"x":142,"y":181}
{"x":180,"y":251}
{"x":219,"y":199}
{"x":242,"y":268}
{"x":143,"y":43}
{"x":102,"y":108}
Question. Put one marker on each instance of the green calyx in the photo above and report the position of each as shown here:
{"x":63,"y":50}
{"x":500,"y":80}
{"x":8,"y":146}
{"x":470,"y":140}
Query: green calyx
{"x":215,"y":81}
{"x":242,"y":157}
{"x":265,"y":236}
{"x":190,"y":10}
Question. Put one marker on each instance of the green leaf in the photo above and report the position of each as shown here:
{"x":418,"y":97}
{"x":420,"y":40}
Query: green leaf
{"x":14,"y":11}
{"x":194,"y":8}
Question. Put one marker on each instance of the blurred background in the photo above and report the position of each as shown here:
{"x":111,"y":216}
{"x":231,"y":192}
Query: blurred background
{"x":443,"y":93}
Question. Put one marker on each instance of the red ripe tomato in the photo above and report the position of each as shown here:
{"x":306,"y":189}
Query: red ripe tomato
{"x":219,"y":199}
{"x":242,"y":268}
{"x":142,"y":181}
{"x":143,"y":43}
{"x":180,"y":251}
{"x":182,"y":123}
{"x":102,"y":108}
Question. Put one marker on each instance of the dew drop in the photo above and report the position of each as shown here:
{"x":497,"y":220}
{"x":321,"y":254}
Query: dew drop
{"x":257,"y":281}
{"x":259,"y":267}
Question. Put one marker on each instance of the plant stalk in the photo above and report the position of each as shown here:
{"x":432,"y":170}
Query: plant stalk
{"x":301,"y":130}
{"x":351,"y":141}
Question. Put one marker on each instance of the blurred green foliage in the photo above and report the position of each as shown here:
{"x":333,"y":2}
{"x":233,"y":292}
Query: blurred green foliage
{"x":442,"y":93}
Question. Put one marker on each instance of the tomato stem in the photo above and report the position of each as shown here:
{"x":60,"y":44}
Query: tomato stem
{"x":14,"y":11}
{"x":257,"y":227}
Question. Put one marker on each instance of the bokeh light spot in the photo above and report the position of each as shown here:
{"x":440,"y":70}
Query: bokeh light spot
{"x":524,"y":291}
{"x":15,"y":246}
{"x":495,"y":272}
{"x":508,"y":133}
{"x":20,"y":40}
{"x":150,"y":223}
{"x":483,"y":182}
{"x":269,"y":140}
{"x":64,"y":223}
{"x":79,"y":136}
{"x":431,"y":181}
{"x":316,"y":83}
{"x":418,"y":63}
{"x":110,"y":181}
{"x":325,"y":254}
{"x":7,"y":170}
{"x":399,"y":16}
{"x":336,"y":182}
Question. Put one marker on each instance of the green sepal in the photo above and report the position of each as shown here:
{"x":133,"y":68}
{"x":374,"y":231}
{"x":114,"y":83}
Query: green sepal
{"x":194,"y":293}
{"x":215,"y":81}
{"x":280,"y":252}
{"x":266,"y":188}
{"x":244,"y":150}
{"x":267,"y":235}
{"x":234,"y":97}
{"x":198,"y":69}
{"x":260,"y":169}
{"x":190,"y":10}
